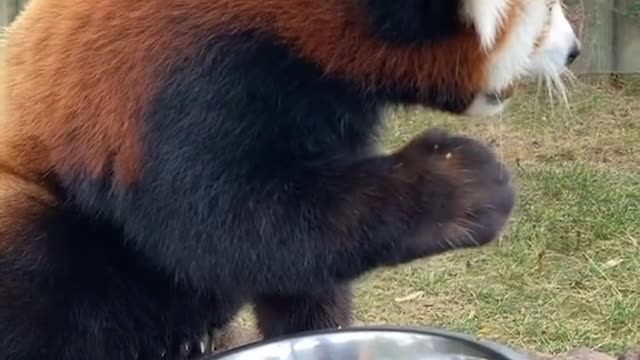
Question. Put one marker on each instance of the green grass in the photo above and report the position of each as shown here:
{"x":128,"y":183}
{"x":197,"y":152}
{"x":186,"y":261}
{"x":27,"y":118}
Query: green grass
{"x":567,"y":271}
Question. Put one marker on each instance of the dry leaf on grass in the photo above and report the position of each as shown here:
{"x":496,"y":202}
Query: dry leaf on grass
{"x":410,"y":297}
{"x":612,"y":263}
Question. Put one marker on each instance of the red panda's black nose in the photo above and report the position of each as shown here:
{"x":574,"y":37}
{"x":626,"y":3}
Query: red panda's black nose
{"x":576,"y":49}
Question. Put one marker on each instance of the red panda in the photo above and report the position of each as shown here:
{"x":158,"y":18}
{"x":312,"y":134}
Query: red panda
{"x":164,"y":163}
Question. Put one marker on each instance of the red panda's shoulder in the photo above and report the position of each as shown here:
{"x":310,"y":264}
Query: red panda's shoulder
{"x":83,"y":72}
{"x":79,"y":75}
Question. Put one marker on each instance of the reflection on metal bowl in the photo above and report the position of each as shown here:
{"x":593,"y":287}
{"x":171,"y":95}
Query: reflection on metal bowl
{"x":386,"y":343}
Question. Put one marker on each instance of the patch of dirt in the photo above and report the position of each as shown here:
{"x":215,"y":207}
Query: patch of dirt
{"x":587,"y":354}
{"x":631,"y":354}
{"x":584,"y":354}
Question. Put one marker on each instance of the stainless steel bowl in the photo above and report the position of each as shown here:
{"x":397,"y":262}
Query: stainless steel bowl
{"x":374,"y":344}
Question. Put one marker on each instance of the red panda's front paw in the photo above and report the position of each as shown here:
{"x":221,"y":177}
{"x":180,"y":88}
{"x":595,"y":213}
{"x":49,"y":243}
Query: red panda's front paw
{"x":466,"y":194}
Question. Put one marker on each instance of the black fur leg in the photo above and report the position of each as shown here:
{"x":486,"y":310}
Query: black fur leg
{"x":70,"y":290}
{"x":286,"y":314}
{"x":284,"y":212}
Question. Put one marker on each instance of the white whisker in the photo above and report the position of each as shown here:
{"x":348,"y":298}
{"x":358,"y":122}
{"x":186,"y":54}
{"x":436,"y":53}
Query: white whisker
{"x":561,"y":89}
{"x":539,"y":90}
{"x":570,"y":77}
{"x":547,"y":81}
{"x":500,"y":120}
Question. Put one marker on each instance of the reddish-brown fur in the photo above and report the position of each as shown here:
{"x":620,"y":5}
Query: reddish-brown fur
{"x":22,"y":201}
{"x":81,"y":87}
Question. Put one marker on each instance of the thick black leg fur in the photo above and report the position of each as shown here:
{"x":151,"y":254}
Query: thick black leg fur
{"x":286,"y":314}
{"x":70,"y":290}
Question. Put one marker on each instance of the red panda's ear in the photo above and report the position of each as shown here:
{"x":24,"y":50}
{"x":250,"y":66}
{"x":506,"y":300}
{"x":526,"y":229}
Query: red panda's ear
{"x":414,"y":21}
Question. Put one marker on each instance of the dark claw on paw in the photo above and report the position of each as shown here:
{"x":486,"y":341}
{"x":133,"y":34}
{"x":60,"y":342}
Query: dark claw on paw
{"x":196,"y":348}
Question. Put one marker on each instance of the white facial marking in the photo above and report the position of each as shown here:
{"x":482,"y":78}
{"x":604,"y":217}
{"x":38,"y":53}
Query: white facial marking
{"x":516,"y":55}
{"x":487,"y":16}
{"x":513,"y":58}
{"x":555,"y":49}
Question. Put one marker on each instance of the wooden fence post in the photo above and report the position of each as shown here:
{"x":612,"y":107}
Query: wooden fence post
{"x":598,"y":55}
{"x":627,"y":36}
{"x":9,"y":9}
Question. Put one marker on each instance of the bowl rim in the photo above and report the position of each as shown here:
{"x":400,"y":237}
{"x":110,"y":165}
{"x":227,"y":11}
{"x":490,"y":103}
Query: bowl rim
{"x":495,"y":351}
